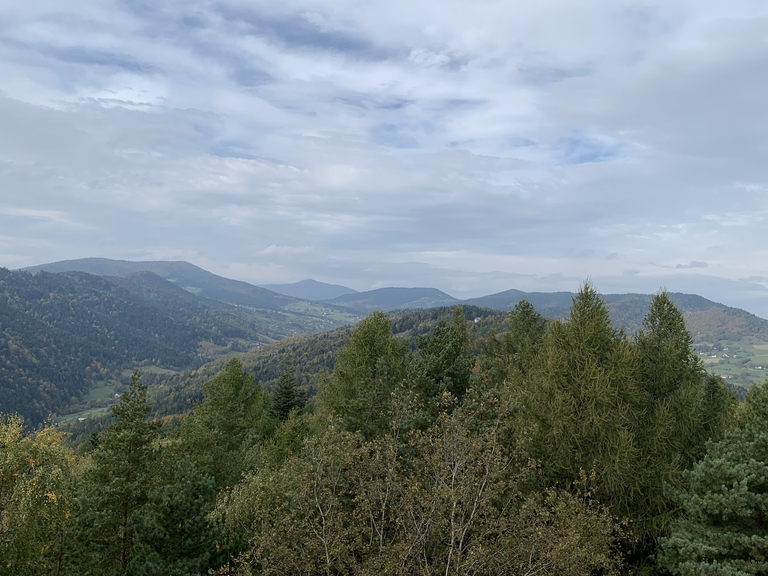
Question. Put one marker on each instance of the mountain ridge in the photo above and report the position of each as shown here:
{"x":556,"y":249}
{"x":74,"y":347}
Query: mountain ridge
{"x":310,"y":289}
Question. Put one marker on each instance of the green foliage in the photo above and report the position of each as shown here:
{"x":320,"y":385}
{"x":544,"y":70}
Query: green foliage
{"x":445,"y":500}
{"x":514,"y":352}
{"x":176,"y":536}
{"x":366,"y":372}
{"x":438,"y":448}
{"x":312,"y":356}
{"x":629,"y":413}
{"x":286,"y":396}
{"x":116,"y":486}
{"x":443,"y":363}
{"x":723,"y":530}
{"x":231,"y":418}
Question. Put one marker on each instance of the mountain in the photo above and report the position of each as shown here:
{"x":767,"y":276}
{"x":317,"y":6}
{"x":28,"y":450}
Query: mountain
{"x":183,"y":274}
{"x":394,"y":299}
{"x":69,"y":338}
{"x":705,"y":319}
{"x":310,"y":290}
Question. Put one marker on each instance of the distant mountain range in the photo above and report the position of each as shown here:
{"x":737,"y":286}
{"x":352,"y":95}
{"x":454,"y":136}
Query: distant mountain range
{"x":310,"y":290}
{"x":69,"y":328}
{"x":309,"y":305}
{"x":183,"y":274}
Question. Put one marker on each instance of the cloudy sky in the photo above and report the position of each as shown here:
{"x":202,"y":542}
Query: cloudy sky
{"x":473,"y":146}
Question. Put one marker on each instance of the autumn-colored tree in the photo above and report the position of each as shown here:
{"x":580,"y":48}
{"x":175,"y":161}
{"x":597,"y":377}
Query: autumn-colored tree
{"x":36,"y":499}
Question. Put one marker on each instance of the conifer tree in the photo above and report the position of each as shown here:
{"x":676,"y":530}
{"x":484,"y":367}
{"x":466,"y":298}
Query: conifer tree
{"x":286,"y":396}
{"x":724,"y":529}
{"x":578,"y":397}
{"x":231,"y":418}
{"x":177,"y":536}
{"x":514,"y":352}
{"x":444,"y":363}
{"x":117,"y":484}
{"x":367,"y":370}
{"x":680,"y":410}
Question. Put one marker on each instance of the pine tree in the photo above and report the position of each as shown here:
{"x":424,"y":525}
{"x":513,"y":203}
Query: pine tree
{"x":117,"y":484}
{"x":177,"y":535}
{"x":724,"y":529}
{"x":286,"y":396}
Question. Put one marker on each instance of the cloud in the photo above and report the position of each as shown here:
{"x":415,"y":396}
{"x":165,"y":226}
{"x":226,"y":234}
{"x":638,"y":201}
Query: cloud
{"x":693,"y":264}
{"x":471,"y":147}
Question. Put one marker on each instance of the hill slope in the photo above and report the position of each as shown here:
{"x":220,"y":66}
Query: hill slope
{"x":183,"y":274}
{"x":64,"y":334}
{"x":394,"y":299}
{"x":311,"y":355}
{"x":310,"y":290}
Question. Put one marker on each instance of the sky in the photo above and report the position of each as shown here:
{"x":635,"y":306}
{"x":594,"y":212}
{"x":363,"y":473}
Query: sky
{"x":472,"y":146}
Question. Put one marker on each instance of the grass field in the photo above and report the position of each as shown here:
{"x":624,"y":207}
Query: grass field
{"x":100,"y":393}
{"x":82,"y":414}
{"x":743,"y":363}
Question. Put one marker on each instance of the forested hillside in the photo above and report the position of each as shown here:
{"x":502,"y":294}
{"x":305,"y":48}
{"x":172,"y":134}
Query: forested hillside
{"x":394,"y":299}
{"x":311,"y":356}
{"x":310,"y":289}
{"x":555,"y":448}
{"x":63,"y":334}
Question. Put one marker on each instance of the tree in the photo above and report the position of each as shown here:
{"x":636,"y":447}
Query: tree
{"x":231,"y":418}
{"x":579,"y":400}
{"x":36,"y":499}
{"x":367,"y":370}
{"x":286,"y":396}
{"x":177,"y":536}
{"x":630,"y":413}
{"x":448,"y":501}
{"x":724,"y":527}
{"x":117,"y":483}
{"x":444,"y":363}
{"x":514,"y":353}
{"x":680,"y":410}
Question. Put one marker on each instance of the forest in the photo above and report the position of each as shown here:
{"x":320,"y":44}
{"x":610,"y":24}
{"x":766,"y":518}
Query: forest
{"x":550,"y":447}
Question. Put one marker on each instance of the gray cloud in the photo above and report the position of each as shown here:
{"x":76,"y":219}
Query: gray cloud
{"x":470,"y":148}
{"x":693,"y":264}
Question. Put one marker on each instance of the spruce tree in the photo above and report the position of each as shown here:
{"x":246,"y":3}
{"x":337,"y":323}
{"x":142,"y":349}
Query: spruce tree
{"x":286,"y":396}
